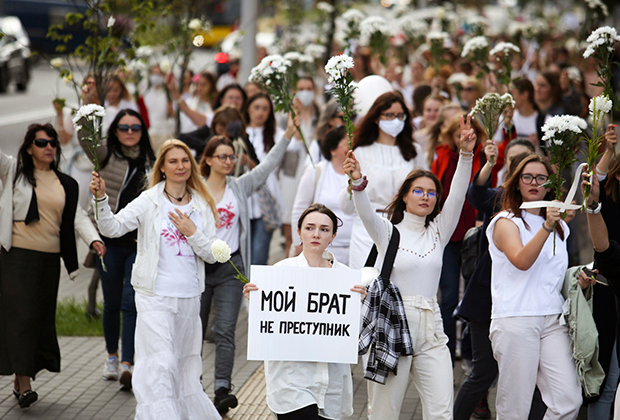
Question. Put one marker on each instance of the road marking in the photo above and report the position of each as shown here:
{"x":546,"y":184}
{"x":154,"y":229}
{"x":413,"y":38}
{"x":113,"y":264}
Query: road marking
{"x":22,"y":117}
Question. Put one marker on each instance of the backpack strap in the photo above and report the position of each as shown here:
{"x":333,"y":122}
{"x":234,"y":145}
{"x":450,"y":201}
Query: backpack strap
{"x":390,"y":256}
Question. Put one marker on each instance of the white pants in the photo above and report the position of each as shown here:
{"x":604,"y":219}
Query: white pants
{"x":530,"y":351}
{"x":166,"y":378}
{"x":430,"y":368}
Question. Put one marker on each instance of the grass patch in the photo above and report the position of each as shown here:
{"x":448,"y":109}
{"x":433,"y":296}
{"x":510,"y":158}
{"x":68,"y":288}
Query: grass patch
{"x":71,"y":319}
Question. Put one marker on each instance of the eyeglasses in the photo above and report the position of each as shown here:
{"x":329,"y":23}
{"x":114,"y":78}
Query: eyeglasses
{"x":528,"y":178}
{"x":390,"y":116}
{"x":469,"y":89}
{"x":42,"y":143}
{"x":417,"y":192}
{"x":222,"y":158}
{"x":124,"y":128}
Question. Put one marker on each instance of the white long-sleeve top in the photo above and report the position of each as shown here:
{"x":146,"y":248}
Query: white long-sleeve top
{"x":418,"y":262}
{"x":386,"y":170}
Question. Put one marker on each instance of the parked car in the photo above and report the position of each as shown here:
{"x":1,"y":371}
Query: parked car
{"x":14,"y":54}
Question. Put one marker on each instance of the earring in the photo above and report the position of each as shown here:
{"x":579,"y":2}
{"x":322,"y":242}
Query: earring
{"x":163,"y":175}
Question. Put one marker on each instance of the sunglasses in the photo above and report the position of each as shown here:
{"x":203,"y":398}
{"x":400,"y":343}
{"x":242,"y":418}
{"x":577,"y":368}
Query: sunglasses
{"x":124,"y":128}
{"x":42,"y":143}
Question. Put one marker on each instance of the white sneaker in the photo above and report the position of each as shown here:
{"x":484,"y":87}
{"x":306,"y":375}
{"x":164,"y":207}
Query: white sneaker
{"x":110,"y":369}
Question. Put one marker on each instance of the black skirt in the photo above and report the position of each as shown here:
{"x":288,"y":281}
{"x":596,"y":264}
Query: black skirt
{"x":28,"y":293}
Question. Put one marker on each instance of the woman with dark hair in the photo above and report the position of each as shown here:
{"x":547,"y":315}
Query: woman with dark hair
{"x":39,"y":217}
{"x":444,"y":167}
{"x":296,"y":156}
{"x":384,"y":145}
{"x":529,"y":261}
{"x":263,"y":134}
{"x":232,"y":197}
{"x":425,"y":227}
{"x":232,"y":94}
{"x":322,"y":184}
{"x":527,"y":119}
{"x":311,"y":390}
{"x":117,"y":97}
{"x":331,"y":117}
{"x":125,"y":159}
{"x":548,"y":93}
{"x":196,"y":109}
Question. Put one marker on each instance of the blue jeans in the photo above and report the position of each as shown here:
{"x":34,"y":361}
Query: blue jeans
{"x":226,"y":292}
{"x":260,"y":242}
{"x":602,"y":408}
{"x":449,"y":288}
{"x":118,"y":296}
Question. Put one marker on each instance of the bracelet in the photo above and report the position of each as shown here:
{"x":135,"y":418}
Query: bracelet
{"x":360,"y":187}
{"x":102,"y":199}
{"x":597,"y":210}
{"x":545,"y":228}
{"x":466,"y":154}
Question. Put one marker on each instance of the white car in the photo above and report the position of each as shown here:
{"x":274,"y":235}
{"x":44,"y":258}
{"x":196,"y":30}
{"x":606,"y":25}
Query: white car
{"x":14,"y":54}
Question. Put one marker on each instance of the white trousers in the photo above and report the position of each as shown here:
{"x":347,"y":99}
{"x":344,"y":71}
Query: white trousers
{"x":530,"y":351}
{"x":166,"y":378}
{"x":430,"y":368}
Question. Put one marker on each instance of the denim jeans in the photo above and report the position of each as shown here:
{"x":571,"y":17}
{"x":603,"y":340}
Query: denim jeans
{"x":601,"y":409}
{"x":260,"y":242}
{"x":118,"y":296}
{"x":449,"y":287}
{"x":226,"y":292}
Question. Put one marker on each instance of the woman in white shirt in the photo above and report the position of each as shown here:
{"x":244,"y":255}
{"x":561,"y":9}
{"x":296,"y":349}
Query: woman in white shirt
{"x":196,"y":109}
{"x":176,"y":220}
{"x":425,"y":229}
{"x":311,"y":390}
{"x":529,"y":262}
{"x":263,"y":134}
{"x":322,"y":184}
{"x":156,"y":102}
{"x":117,"y":97}
{"x":384,"y":146}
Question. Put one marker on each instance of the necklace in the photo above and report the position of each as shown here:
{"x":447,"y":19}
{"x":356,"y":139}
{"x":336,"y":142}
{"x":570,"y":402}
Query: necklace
{"x":179,"y":199}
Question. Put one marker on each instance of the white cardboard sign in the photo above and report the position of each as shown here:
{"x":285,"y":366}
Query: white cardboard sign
{"x":304,"y":314}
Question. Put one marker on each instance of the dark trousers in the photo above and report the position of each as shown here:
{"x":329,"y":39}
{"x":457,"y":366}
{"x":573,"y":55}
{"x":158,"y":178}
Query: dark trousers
{"x":310,"y":412}
{"x":449,"y":288}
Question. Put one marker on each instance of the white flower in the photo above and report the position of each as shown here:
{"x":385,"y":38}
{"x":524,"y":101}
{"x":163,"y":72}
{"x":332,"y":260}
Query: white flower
{"x":600,"y":104}
{"x":137,"y":66}
{"x":111,"y":21}
{"x":337,"y":66}
{"x":292,"y":55}
{"x":412,"y":26}
{"x":221,"y":251}
{"x":505,"y":47}
{"x":353,"y":16}
{"x":325,"y":7}
{"x":315,"y":50}
{"x":476,"y":43}
{"x":476,"y":20}
{"x":165,"y":66}
{"x":78,"y":127}
{"x":89,"y":111}
{"x":68,"y":78}
{"x":561,"y":124}
{"x":605,"y":35}
{"x":373,"y":24}
{"x":57,"y":62}
{"x":144,"y":52}
{"x":593,"y":4}
{"x":440,"y":12}
{"x":457,"y":78}
{"x":438,"y":37}
{"x":195,"y":24}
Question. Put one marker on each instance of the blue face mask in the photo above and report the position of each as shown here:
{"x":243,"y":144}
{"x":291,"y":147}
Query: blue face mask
{"x":392,"y":127}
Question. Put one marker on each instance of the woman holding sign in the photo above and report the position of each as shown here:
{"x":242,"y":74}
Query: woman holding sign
{"x":425,"y":232}
{"x":175,"y":219}
{"x":528,"y":251}
{"x":311,"y":390}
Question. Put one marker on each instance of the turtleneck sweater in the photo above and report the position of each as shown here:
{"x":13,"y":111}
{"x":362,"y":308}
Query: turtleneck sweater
{"x":418,"y":262}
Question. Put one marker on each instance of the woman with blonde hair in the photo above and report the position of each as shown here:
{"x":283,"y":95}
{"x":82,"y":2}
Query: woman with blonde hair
{"x":176,"y":219}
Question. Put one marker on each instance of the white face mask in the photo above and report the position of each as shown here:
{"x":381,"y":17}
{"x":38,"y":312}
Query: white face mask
{"x":392,"y":127}
{"x":156,"y":79}
{"x":306,"y":97}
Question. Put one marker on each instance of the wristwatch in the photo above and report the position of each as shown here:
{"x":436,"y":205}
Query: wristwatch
{"x":593,"y":206}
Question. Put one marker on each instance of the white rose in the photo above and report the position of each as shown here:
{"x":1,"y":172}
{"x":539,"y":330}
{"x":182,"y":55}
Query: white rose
{"x":221,"y":251}
{"x":194,"y":24}
{"x":57,"y":62}
{"x":111,"y":21}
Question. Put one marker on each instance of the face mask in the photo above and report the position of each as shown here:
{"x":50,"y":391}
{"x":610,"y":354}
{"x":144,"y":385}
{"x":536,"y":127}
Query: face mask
{"x":306,"y":97}
{"x":392,"y":127}
{"x":156,"y":79}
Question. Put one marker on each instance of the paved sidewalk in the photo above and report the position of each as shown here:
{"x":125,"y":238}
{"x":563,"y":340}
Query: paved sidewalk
{"x":78,"y":392}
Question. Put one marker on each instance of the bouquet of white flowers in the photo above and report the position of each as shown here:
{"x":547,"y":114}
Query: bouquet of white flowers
{"x":562,"y":134}
{"x":337,"y":69}
{"x":221,"y":252}
{"x":489,"y":108}
{"x":352,"y":19}
{"x":273,"y":74}
{"x":601,"y":45}
{"x":437,"y":47}
{"x":413,"y":29}
{"x":503,"y":53}
{"x":375,"y":32}
{"x":477,"y":49}
{"x":599,"y":107}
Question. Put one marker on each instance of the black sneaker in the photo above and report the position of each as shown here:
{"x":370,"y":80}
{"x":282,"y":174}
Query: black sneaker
{"x":224,"y":400}
{"x":482,"y":411}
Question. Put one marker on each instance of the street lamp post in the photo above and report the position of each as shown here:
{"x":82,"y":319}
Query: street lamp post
{"x":249,"y":15}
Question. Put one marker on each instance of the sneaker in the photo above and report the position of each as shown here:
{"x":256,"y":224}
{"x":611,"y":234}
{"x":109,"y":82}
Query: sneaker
{"x":125,"y":378}
{"x":482,"y":411}
{"x":110,"y":369}
{"x":224,"y":400}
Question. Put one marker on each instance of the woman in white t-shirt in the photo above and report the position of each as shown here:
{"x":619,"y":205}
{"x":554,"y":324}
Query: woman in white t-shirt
{"x":529,"y":262}
{"x":117,"y":97}
{"x":527,"y":119}
{"x":310,"y":390}
{"x":263,"y":134}
{"x":175,"y":219}
{"x":156,"y":102}
{"x":231,"y":195}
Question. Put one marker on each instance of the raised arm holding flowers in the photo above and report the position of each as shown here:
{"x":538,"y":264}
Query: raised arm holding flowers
{"x":601,"y":46}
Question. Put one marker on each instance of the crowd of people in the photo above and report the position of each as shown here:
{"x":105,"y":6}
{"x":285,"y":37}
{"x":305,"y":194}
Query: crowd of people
{"x":422,"y":175}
